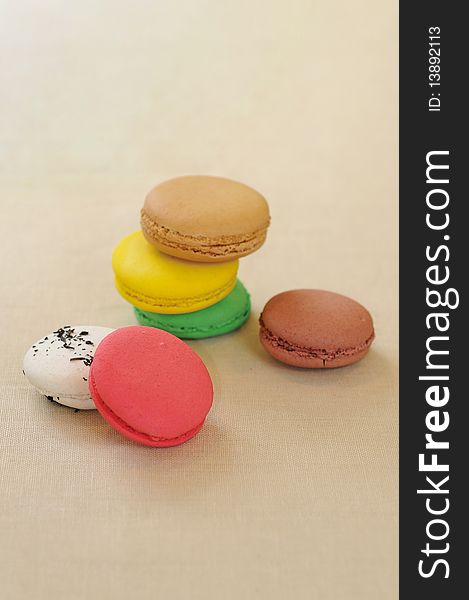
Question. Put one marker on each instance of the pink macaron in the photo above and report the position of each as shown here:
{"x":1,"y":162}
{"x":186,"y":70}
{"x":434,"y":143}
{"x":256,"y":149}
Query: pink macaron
{"x":150,"y":386}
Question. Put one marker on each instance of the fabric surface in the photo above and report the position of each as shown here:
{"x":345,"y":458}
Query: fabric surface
{"x":290,"y":489}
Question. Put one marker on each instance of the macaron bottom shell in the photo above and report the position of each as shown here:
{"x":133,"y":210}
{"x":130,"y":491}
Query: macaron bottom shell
{"x":309,"y":358}
{"x":172,"y":306}
{"x":132,"y":434}
{"x":200,"y":249}
{"x":76,"y":402}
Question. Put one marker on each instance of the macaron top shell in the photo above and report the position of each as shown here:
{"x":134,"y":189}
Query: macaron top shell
{"x":150,"y":385}
{"x":154,"y":281}
{"x":58,"y":364}
{"x":201,"y":205}
{"x":318,"y":318}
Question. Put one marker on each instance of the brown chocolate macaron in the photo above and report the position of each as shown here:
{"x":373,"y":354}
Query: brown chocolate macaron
{"x":205,"y":219}
{"x":315,"y":329}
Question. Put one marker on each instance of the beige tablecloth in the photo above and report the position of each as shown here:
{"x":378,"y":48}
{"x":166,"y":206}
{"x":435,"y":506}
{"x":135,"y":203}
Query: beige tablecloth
{"x":290,"y":489}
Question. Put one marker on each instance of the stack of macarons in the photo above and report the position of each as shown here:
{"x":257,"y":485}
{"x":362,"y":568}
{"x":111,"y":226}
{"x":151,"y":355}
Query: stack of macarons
{"x":180,"y":271}
{"x":180,"y":274}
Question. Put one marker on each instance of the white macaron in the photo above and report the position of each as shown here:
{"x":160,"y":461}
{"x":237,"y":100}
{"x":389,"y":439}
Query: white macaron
{"x":58,"y":364}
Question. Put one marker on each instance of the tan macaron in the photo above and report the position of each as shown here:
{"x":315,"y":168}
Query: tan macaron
{"x":205,"y":219}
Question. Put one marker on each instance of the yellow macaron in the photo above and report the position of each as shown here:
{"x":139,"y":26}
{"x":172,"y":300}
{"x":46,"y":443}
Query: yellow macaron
{"x":156,"y":282}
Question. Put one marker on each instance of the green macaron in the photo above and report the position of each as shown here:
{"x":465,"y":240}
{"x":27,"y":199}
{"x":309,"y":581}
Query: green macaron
{"x":220,"y":318}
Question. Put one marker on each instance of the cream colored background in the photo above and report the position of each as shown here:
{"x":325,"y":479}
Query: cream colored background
{"x":290,"y":490}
